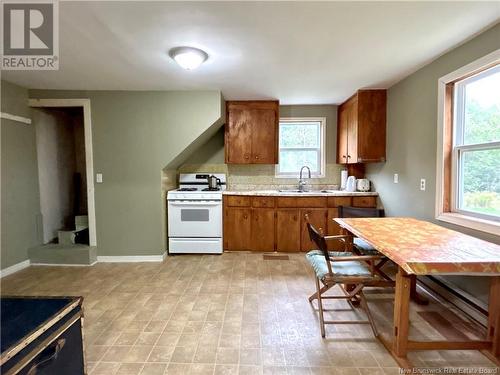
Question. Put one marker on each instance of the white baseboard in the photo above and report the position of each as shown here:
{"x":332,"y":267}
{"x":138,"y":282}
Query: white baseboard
{"x":63,"y":265}
{"x":100,"y":259}
{"x":14,"y":268}
{"x":131,"y":258}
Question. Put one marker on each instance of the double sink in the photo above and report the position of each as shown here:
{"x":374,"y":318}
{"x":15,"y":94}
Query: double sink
{"x":295,"y":191}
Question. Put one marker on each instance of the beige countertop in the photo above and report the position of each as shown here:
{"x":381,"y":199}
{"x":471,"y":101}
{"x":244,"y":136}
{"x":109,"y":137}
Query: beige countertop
{"x":316,"y":193}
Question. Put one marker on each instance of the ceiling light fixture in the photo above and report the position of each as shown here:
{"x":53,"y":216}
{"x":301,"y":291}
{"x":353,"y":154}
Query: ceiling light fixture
{"x":188,"y":58}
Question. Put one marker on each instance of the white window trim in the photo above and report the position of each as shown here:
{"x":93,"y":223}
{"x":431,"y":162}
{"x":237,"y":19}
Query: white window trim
{"x":322,"y":141}
{"x":458,"y":218}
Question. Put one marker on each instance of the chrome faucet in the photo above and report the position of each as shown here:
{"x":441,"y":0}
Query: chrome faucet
{"x":302,"y":182}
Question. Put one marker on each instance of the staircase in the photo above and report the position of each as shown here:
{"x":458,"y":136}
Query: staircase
{"x":77,"y":235}
{"x":73,"y":247}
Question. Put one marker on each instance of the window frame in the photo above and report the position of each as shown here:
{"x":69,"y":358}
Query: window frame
{"x":450,"y":147}
{"x":322,"y":146}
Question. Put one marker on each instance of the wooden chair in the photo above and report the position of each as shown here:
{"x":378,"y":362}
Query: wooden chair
{"x":340,"y":268}
{"x":361,"y":247}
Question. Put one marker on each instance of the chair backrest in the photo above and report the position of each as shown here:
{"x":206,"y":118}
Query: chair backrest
{"x":348,"y":211}
{"x":317,"y":237}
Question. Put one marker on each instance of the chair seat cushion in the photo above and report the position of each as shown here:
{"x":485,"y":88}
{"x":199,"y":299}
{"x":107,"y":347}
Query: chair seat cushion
{"x":339,"y":269}
{"x":364,"y":248}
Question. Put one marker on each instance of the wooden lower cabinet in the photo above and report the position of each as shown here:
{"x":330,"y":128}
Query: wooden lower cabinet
{"x":288,"y":230}
{"x":317,"y":217}
{"x":278,"y":223}
{"x":262,"y":231}
{"x":333,"y":229}
{"x":237,"y":228}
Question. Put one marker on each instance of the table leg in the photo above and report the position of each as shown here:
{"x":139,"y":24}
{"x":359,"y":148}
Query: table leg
{"x":494,"y":316}
{"x":416,"y":296}
{"x":401,"y":313}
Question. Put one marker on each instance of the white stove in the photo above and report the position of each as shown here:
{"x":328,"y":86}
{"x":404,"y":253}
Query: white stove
{"x":195,"y":215}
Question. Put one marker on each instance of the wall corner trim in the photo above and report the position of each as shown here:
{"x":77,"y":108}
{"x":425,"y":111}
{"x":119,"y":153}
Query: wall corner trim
{"x":131,"y":258}
{"x":14,"y":268}
{"x":9,"y":116}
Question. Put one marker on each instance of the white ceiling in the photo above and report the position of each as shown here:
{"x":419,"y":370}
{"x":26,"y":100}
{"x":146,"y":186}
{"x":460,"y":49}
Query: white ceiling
{"x":298,"y":52}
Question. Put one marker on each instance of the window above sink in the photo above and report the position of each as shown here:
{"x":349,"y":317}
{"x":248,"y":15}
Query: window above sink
{"x":301,"y":142}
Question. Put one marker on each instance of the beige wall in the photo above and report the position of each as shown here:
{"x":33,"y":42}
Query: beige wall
{"x":411,"y":142}
{"x":210,"y":156}
{"x":137,"y":135}
{"x":20,"y":205}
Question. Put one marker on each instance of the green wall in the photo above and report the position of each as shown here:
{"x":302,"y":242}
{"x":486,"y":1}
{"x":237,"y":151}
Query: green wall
{"x":137,"y":134}
{"x":20,"y":213}
{"x":411,"y":143}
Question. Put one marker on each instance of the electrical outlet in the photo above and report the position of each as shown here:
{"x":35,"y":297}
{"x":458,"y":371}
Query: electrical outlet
{"x":422,"y":184}
{"x":396,"y":178}
{"x":98,"y":178}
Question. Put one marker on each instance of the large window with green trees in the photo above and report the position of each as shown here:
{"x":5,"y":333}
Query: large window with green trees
{"x":476,"y":145}
{"x":301,"y":143}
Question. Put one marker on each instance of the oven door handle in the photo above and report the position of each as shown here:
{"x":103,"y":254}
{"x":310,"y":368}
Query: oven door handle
{"x":195,"y":203}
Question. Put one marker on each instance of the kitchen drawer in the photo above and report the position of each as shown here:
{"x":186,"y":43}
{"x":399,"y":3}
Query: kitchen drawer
{"x":266,"y":202}
{"x":311,"y":202}
{"x":287,"y":202}
{"x":339,"y":201}
{"x":364,"y":201}
{"x":238,"y":201}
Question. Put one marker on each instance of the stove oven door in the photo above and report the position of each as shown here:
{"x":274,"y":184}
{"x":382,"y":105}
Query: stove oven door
{"x":195,"y":219}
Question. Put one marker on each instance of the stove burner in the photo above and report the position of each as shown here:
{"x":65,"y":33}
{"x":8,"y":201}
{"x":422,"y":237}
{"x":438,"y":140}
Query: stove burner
{"x":211,"y":189}
{"x":187,"y":189}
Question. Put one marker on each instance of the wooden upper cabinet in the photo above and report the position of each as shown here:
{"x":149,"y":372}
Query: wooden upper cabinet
{"x":343,"y":119}
{"x":251,"y":132}
{"x":361,"y":128}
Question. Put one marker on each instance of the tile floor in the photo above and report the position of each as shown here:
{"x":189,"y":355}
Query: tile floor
{"x":234,"y":313}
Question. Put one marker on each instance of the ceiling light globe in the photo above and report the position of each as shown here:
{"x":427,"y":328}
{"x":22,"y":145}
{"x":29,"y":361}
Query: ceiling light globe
{"x":188,"y":58}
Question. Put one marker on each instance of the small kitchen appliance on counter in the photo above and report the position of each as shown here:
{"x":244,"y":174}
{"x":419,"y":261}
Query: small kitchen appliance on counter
{"x":351,"y":184}
{"x":363,"y":184}
{"x":195,"y":214}
{"x":213,"y":182}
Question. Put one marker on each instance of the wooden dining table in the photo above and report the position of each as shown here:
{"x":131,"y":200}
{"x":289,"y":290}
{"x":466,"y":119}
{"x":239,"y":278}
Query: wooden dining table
{"x":422,"y":248}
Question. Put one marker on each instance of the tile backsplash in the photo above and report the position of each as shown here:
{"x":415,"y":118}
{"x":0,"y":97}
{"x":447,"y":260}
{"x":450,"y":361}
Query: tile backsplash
{"x":262,"y":176}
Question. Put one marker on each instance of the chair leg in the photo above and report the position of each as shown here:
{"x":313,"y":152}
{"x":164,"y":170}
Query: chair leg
{"x":321,"y":291}
{"x":320,"y":305}
{"x":364,"y":304}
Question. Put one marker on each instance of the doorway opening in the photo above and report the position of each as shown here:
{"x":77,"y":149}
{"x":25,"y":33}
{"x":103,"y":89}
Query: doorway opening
{"x":65,"y":172}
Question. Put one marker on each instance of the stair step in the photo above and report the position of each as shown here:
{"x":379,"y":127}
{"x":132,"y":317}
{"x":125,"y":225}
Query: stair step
{"x":66,"y":237}
{"x":81,"y":222}
{"x":63,"y":254}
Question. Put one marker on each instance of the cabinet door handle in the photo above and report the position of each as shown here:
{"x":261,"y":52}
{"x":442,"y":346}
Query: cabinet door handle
{"x":348,"y":156}
{"x":247,"y":156}
{"x":245,"y":217}
{"x":343,"y":157}
{"x":257,"y":157}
